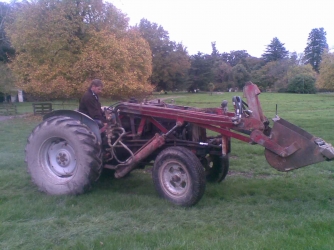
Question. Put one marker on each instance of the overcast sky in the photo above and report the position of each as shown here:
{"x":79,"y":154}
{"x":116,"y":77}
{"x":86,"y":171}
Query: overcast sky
{"x":235,"y":24}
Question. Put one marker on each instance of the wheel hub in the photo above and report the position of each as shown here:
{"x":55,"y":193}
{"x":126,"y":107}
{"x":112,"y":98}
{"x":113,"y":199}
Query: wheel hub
{"x":59,"y":157}
{"x":63,"y":158}
{"x":175,"y":179}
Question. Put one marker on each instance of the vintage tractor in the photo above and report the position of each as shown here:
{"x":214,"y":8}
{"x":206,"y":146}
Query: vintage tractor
{"x":66,"y":153}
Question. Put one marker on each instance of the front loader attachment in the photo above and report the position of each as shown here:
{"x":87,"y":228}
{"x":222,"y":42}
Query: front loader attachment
{"x":287,"y":146}
{"x":295,"y":147}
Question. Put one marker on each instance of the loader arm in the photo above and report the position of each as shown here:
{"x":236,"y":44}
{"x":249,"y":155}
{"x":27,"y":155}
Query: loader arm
{"x":287,"y":146}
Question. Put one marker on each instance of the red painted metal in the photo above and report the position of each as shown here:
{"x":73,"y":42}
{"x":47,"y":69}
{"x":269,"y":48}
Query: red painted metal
{"x":158,"y":125}
{"x":287,"y":146}
{"x":122,"y":169}
{"x":141,"y":126}
{"x":300,"y":147}
{"x":251,"y":92}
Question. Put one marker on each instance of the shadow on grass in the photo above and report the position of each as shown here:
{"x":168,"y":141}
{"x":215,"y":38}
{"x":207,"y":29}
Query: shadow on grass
{"x":138,"y":182}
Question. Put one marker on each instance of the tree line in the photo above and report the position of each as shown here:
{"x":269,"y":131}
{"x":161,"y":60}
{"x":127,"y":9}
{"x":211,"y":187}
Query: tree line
{"x":53,"y":48}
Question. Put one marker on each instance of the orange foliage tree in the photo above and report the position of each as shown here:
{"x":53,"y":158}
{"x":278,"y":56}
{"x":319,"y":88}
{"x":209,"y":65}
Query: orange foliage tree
{"x":124,"y":64}
{"x":62,"y":45}
{"x":326,"y":76}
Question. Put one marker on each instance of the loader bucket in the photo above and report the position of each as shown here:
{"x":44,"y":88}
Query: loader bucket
{"x":307,"y":149}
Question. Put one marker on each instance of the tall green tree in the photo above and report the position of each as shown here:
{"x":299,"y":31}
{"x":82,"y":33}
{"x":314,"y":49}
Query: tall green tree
{"x":235,"y":57}
{"x":170,"y":60}
{"x":316,"y":44}
{"x":223,"y":77}
{"x":301,"y":78}
{"x":62,"y":45}
{"x":273,"y":75}
{"x":252,"y":63}
{"x":275,"y":51}
{"x":215,"y":53}
{"x":240,"y":75}
{"x":297,"y":58}
{"x":302,"y":84}
{"x":7,"y":80}
{"x":200,"y":72}
{"x":326,"y":75}
{"x":6,"y":49}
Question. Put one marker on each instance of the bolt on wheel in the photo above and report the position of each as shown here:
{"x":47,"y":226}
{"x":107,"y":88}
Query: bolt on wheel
{"x":58,"y":155}
{"x":175,"y":178}
{"x":178,"y":176}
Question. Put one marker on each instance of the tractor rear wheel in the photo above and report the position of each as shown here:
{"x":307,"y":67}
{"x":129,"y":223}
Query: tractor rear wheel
{"x":63,"y":156}
{"x":178,"y":176}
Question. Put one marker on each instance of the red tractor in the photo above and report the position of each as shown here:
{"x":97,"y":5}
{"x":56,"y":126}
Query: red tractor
{"x":66,"y":153}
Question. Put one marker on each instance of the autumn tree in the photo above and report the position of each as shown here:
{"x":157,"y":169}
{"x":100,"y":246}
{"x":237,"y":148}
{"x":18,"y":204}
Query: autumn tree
{"x":275,"y":51}
{"x":62,"y":45}
{"x":326,"y":72}
{"x":316,"y":44}
{"x":122,"y":77}
{"x":170,"y":60}
{"x":300,"y":70}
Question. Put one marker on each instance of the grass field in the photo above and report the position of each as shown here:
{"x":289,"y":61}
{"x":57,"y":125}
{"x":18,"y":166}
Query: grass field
{"x":255,"y":207}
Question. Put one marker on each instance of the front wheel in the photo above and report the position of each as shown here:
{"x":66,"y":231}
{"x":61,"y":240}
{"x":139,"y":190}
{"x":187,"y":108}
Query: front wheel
{"x":216,"y":167}
{"x":63,"y":156}
{"x":178,"y":176}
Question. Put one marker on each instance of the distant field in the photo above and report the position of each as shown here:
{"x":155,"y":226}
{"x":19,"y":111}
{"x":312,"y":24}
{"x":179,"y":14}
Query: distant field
{"x":256,"y":207}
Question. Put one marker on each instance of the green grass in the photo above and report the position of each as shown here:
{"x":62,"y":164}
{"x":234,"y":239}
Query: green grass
{"x":256,"y":207}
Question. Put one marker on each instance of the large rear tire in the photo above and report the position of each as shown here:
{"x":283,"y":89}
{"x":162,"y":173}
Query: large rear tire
{"x":63,"y":156}
{"x":178,"y":176}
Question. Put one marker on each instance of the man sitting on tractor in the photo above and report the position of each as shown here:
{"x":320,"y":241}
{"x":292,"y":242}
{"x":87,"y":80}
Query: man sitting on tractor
{"x":90,"y":104}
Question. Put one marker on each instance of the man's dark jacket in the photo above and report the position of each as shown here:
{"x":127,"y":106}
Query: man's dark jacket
{"x":91,"y":106}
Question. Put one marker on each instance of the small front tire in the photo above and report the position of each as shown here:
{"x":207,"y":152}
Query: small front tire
{"x":178,"y":176}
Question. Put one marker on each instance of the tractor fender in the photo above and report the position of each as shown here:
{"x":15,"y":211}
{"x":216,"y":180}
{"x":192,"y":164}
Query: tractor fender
{"x":83,"y":118}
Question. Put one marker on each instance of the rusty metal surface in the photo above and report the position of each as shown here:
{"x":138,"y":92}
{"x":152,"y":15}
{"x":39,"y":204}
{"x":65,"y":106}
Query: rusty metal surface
{"x":287,"y":146}
{"x":251,"y":92}
{"x":153,"y":144}
{"x":272,"y":145}
{"x":176,"y":114}
{"x":285,"y":134}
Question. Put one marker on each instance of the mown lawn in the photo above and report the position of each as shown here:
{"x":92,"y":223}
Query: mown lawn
{"x":256,"y":207}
